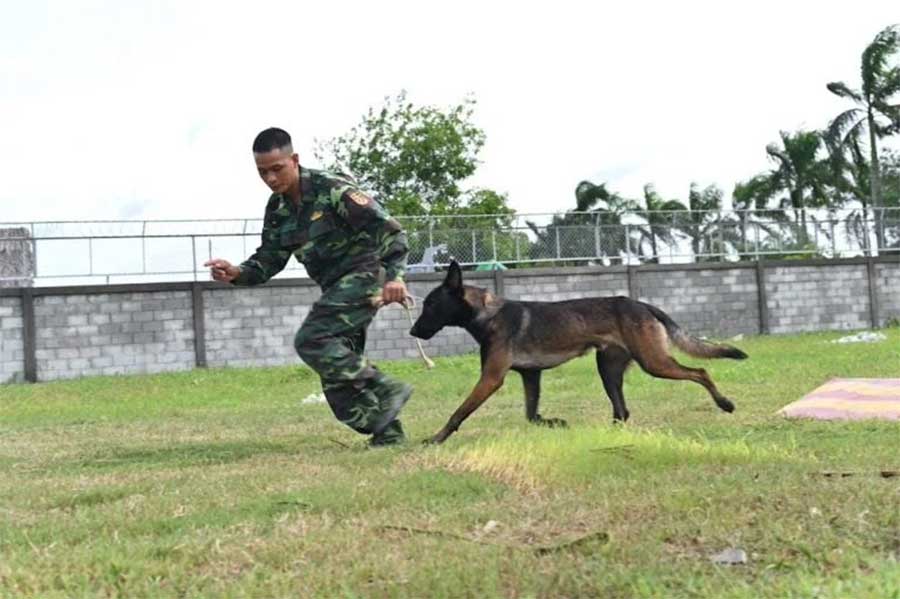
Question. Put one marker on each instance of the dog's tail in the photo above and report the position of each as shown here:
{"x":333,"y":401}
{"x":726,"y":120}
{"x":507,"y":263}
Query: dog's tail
{"x":690,"y":344}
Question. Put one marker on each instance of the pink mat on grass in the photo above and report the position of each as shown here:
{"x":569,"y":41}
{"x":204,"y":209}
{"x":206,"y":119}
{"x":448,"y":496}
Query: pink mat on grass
{"x":849,"y":399}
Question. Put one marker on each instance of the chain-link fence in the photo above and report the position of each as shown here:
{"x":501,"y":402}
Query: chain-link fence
{"x":165,"y":250}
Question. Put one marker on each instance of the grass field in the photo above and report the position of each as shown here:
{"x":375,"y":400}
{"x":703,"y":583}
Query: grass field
{"x":221,"y":483}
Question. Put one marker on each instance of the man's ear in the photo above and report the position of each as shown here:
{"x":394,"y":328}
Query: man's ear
{"x":453,"y":281}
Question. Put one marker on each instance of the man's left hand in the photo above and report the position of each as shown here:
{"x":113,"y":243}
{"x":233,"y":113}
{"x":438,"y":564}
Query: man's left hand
{"x":393,"y":292}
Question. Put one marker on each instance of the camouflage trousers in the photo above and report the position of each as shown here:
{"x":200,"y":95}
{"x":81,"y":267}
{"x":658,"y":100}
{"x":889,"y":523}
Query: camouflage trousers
{"x":332,"y":340}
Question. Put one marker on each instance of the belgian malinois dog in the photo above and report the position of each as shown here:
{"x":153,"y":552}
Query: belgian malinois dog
{"x":529,"y":337}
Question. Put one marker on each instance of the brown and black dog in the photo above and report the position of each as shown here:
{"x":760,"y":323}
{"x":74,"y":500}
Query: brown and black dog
{"x":529,"y":337}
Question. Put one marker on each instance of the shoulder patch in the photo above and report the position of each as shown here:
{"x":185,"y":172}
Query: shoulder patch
{"x":359,"y":197}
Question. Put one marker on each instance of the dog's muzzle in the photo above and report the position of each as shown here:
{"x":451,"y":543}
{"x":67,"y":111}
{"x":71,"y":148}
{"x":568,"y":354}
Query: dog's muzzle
{"x":417,"y":331}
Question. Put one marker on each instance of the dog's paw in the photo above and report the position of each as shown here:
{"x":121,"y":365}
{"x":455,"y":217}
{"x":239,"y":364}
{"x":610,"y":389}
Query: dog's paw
{"x":725,"y":405}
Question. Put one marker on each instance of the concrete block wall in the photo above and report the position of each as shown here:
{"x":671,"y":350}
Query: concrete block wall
{"x":718,"y":302}
{"x":887,"y":286}
{"x":255,"y":326}
{"x":813,"y":298}
{"x":564,"y":284}
{"x":12,"y":347}
{"x":112,"y":333}
{"x":79,"y":331}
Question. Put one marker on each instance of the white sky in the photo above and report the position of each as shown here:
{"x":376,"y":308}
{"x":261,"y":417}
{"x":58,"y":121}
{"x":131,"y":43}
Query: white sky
{"x":128,"y":109}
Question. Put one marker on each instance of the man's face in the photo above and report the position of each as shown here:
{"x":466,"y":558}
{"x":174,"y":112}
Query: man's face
{"x":278,"y":169}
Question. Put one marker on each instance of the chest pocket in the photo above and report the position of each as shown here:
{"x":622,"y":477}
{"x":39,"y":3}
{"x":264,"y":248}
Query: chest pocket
{"x":293,"y":237}
{"x":321,"y":237}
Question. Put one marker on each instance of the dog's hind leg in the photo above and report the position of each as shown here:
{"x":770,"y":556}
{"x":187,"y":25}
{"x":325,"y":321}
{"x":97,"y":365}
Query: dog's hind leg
{"x":531,"y":379}
{"x":656,"y":361}
{"x":612,"y":362}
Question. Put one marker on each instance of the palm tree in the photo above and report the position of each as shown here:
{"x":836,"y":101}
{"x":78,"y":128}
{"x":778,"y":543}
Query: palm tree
{"x":749,"y":198}
{"x":874,"y":112}
{"x":709,"y":230}
{"x":597,"y":210}
{"x":801,"y":175}
{"x":661,"y":216}
{"x":851,"y":177}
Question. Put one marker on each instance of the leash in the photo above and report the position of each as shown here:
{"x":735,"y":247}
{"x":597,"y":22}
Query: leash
{"x":407,"y":303}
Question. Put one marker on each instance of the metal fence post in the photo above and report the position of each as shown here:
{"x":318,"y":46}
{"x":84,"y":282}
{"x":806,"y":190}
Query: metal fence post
{"x":597,"y":236}
{"x":494,"y":243}
{"x":194,"y":256}
{"x":627,"y":244}
{"x":756,"y":248}
{"x":474,"y":248}
{"x":721,"y":252}
{"x":833,"y":240}
{"x":144,"y":248}
{"x":34,"y":250}
{"x":672,"y":236}
{"x":558,"y":253}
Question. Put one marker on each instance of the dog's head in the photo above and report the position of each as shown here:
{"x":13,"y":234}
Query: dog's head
{"x":446,"y":305}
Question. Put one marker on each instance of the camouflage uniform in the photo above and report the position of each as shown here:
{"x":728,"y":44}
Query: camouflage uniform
{"x":346,"y":240}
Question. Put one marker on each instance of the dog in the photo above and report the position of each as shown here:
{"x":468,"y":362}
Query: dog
{"x":529,"y":337}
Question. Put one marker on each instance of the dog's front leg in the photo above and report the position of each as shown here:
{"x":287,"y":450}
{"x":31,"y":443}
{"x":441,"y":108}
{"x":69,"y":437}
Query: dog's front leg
{"x":493,"y":372}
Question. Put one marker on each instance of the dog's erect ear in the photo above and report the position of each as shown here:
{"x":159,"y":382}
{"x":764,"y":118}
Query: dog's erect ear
{"x":454,"y":277}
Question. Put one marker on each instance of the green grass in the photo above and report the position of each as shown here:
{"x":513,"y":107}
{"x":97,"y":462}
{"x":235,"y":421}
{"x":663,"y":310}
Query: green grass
{"x":221,"y":483}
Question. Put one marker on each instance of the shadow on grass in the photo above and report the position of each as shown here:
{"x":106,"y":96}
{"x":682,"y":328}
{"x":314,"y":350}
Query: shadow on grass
{"x":94,"y":497}
{"x":183,"y":455}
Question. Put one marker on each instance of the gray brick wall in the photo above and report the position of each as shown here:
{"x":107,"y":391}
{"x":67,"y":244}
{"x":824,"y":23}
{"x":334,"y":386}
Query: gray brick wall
{"x":887,"y":277}
{"x":113,"y":333}
{"x":255,"y":326}
{"x":555,"y":287}
{"x":814,"y":298}
{"x":718,"y":302}
{"x":100,"y":330}
{"x":12,"y":351}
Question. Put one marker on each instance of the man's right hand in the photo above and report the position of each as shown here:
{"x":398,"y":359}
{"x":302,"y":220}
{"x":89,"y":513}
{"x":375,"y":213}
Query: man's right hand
{"x":222,"y":270}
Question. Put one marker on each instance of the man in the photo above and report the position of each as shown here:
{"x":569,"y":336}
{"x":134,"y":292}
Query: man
{"x":347,"y":241}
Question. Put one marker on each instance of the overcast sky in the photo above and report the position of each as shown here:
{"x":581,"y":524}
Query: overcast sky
{"x":128,"y":109}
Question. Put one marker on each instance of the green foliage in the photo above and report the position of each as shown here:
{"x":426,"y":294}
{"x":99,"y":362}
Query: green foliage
{"x":414,"y":158}
{"x":877,"y":114}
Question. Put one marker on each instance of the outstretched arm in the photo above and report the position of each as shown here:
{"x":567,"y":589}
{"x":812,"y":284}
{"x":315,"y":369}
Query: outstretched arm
{"x":267,"y":261}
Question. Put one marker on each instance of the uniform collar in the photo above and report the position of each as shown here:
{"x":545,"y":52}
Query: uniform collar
{"x":306,"y":185}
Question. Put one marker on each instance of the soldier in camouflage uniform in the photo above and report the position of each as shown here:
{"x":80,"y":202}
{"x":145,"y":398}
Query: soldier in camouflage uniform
{"x":353,"y":249}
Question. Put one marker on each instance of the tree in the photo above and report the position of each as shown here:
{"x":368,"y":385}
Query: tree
{"x":874,"y":114}
{"x":662,"y":220}
{"x":593,"y":229}
{"x":704,"y":223}
{"x":414,"y":158}
{"x":799,"y":174}
{"x":747,"y":198}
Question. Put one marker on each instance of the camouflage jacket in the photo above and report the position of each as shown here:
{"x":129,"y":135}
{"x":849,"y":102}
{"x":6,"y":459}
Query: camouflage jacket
{"x":335,"y":230}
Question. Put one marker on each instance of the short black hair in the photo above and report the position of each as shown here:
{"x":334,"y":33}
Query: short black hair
{"x":272,"y":138}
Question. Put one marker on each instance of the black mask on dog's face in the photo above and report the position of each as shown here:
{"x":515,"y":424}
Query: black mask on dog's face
{"x":444,"y":306}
